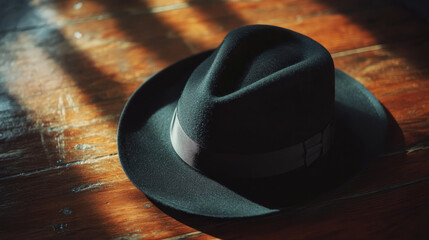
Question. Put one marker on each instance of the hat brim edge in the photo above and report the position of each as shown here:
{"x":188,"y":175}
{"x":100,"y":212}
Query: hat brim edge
{"x":126,"y":149}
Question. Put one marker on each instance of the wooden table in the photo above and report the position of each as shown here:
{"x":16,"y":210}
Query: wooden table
{"x":68,"y":67}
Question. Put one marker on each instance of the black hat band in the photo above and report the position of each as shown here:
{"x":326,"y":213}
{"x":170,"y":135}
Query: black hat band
{"x":249,"y":165}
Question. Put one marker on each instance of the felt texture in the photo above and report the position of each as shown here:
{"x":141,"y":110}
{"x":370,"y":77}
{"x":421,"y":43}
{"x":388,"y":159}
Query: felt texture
{"x":150,"y":162}
{"x":261,"y":83}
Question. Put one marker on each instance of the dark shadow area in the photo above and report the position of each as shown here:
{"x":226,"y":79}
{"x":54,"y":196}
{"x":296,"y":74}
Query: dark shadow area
{"x":146,"y":29}
{"x":17,"y":15}
{"x":217,"y":11}
{"x":296,"y":190}
{"x":390,"y":23}
{"x":420,"y":7}
{"x":12,"y":124}
{"x":395,"y":138}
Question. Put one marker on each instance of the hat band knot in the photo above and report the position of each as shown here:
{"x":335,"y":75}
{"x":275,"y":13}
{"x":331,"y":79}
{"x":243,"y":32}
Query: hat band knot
{"x":249,"y":165}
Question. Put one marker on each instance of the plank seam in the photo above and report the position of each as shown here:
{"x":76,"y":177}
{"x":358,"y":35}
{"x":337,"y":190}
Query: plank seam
{"x":382,"y":189}
{"x":411,"y":148}
{"x":357,"y":50}
{"x":183,"y":236}
{"x":86,"y":161}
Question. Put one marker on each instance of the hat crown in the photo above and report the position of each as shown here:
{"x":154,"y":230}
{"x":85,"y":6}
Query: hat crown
{"x":264,"y":88}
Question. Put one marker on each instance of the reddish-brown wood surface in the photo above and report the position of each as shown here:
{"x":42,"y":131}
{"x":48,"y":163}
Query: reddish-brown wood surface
{"x":68,"y":67}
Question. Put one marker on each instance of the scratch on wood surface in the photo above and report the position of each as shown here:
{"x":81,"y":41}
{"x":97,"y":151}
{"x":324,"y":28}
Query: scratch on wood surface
{"x":12,"y":154}
{"x":77,"y":5}
{"x":60,"y":145}
{"x":87,"y":161}
{"x":418,"y":147}
{"x":184,"y":236}
{"x":169,"y":7}
{"x":415,"y":147}
{"x":60,"y":141}
{"x":83,"y":147}
{"x":357,"y":50}
{"x":66,"y":211}
{"x":59,"y":227}
{"x":129,"y":236}
{"x":359,"y":195}
{"x":42,"y":140}
{"x":58,"y":127}
{"x":71,"y":103}
{"x":62,"y":109}
{"x":88,"y":186}
{"x":145,"y":206}
{"x":383,"y":189}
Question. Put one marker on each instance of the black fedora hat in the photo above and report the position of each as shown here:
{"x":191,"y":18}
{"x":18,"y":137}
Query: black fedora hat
{"x":262,"y":122}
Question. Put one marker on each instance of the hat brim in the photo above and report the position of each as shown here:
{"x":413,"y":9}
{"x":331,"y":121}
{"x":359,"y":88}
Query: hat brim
{"x":151,"y":163}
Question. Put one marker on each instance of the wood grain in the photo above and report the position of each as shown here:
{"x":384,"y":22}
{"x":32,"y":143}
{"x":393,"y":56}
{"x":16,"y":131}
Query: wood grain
{"x":68,"y":67}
